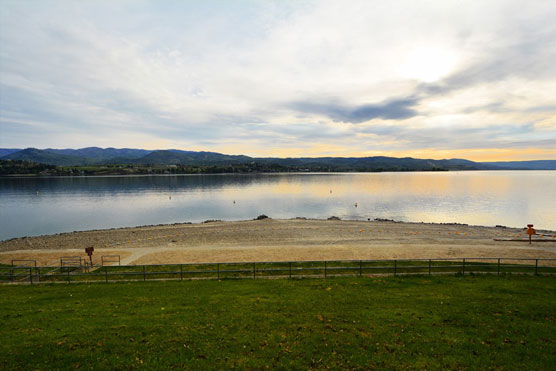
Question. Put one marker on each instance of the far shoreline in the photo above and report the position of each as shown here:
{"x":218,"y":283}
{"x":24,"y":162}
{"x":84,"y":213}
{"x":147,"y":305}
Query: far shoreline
{"x":39,"y":176}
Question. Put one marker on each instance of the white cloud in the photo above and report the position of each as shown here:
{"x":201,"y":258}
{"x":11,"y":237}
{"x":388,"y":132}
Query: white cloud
{"x":185,"y":73}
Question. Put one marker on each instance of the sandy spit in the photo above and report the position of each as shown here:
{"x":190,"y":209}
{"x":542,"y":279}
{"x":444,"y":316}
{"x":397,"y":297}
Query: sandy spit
{"x":283,"y":240}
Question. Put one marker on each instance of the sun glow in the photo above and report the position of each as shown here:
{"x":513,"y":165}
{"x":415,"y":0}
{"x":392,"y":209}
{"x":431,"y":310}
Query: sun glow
{"x":428,"y":64}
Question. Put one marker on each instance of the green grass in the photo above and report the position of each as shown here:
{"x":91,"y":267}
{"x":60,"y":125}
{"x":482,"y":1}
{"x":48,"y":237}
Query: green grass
{"x":438,"y":322}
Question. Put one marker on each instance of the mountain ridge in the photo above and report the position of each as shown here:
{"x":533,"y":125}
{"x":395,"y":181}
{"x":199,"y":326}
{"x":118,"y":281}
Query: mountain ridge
{"x":130,"y":156}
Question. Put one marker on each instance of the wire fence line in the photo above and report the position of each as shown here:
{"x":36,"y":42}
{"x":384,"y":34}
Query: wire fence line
{"x":27,"y":272}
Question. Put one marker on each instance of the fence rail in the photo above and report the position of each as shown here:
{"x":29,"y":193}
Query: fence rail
{"x":104,"y":259}
{"x":109,"y":273}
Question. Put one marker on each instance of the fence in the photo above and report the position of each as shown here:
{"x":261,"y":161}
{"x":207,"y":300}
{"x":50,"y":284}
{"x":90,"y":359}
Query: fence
{"x":254,"y":270}
{"x":24,"y":262}
{"x":71,"y":261}
{"x":104,"y":259}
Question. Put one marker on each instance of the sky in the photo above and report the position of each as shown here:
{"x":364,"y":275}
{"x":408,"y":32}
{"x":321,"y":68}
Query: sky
{"x":427,"y":79}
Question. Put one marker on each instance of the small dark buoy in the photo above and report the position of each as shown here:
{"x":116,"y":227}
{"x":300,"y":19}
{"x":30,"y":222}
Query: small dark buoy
{"x":234,"y":202}
{"x":356,"y":204}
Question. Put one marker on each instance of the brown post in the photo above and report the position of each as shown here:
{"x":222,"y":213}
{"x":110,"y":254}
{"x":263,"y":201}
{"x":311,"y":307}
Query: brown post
{"x":290,"y":270}
{"x":89,"y":251}
{"x":530,"y":231}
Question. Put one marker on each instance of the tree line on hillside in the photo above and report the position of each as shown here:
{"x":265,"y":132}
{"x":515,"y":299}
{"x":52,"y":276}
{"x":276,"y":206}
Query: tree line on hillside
{"x":19,"y":167}
{"x":93,"y":160}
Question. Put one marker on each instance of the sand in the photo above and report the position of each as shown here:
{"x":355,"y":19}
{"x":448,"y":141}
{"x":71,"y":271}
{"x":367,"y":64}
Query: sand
{"x":283,"y":240}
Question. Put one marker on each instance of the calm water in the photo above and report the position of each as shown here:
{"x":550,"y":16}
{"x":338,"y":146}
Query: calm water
{"x":35,"y":206}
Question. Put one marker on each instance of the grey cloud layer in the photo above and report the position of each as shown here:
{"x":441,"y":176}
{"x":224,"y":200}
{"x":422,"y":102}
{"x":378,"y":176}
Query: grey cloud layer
{"x":398,"y":109}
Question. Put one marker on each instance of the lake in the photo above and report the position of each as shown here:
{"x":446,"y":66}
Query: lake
{"x":35,"y":206}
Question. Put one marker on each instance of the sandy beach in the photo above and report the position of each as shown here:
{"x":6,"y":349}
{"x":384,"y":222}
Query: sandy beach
{"x":283,"y":240}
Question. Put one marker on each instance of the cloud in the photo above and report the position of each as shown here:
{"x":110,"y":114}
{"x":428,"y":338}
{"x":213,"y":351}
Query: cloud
{"x":450,"y":137}
{"x":398,"y":109}
{"x":521,"y":47}
{"x":276,"y":74}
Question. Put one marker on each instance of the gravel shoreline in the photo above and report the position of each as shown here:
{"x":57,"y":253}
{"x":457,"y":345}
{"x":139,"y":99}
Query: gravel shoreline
{"x":284,"y":239}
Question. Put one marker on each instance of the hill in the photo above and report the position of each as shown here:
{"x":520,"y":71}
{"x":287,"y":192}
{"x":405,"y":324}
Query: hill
{"x":139,"y":157}
{"x":8,"y":151}
{"x":525,"y":165}
{"x":176,"y":157}
{"x":97,"y":154}
{"x":47,"y":157}
{"x":378,"y":163}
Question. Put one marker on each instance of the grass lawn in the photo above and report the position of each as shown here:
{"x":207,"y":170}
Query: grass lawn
{"x":438,"y":322}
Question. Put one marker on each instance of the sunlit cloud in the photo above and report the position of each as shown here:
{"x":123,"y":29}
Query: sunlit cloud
{"x":281,"y":78}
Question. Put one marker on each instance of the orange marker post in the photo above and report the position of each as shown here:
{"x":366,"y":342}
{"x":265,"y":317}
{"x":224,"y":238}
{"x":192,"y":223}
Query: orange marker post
{"x":530,"y":231}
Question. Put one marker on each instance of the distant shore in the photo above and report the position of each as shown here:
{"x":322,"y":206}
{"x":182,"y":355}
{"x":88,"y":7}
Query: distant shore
{"x":50,"y":162}
{"x":282,"y":240}
{"x":163,"y":171}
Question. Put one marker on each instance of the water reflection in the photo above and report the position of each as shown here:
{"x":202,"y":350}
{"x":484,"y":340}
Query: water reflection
{"x":32,"y":206}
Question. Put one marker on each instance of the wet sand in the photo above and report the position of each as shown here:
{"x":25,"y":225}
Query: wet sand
{"x":283,"y":240}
